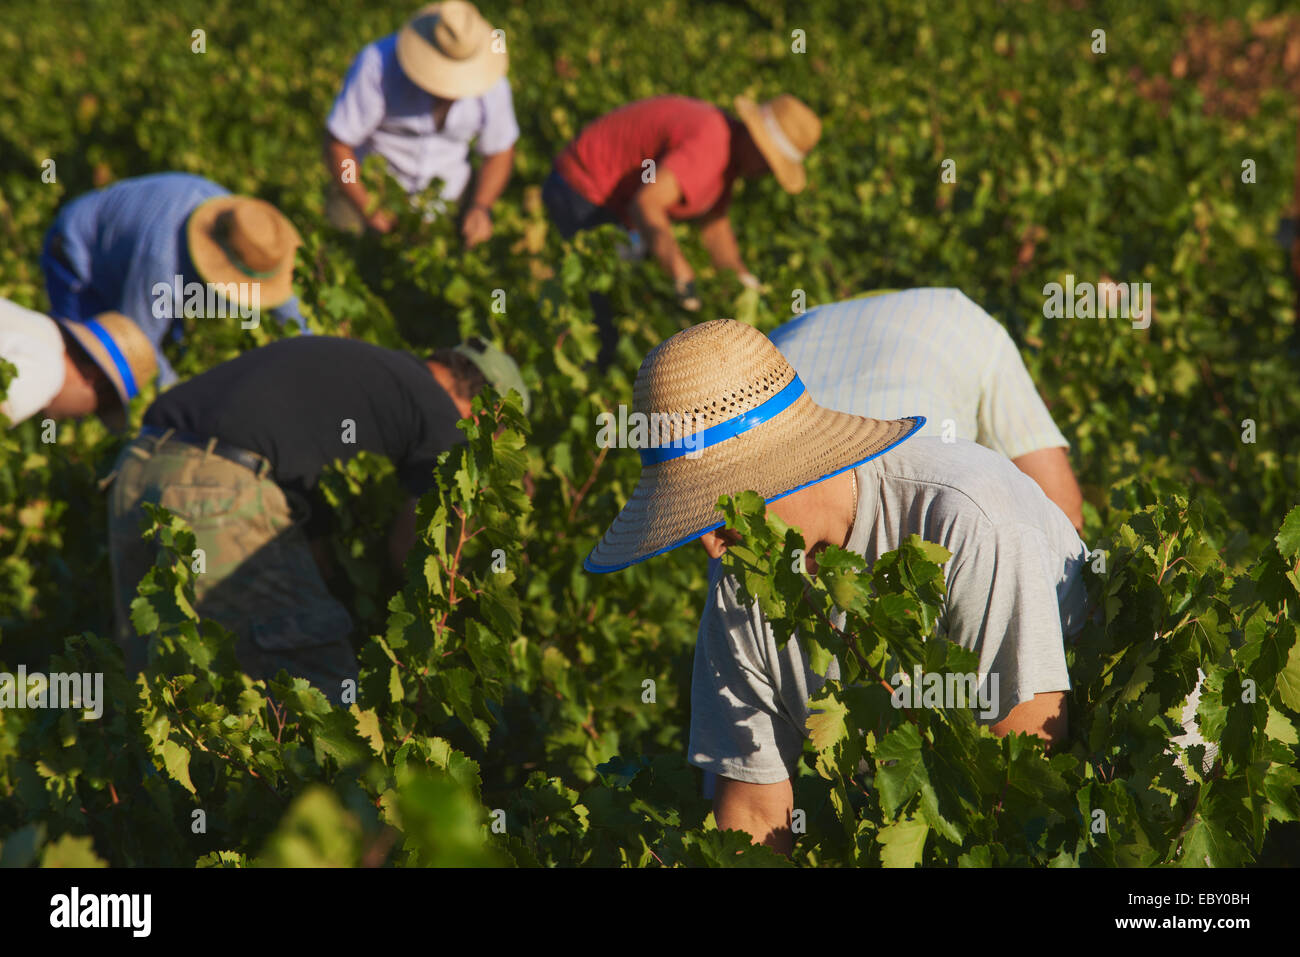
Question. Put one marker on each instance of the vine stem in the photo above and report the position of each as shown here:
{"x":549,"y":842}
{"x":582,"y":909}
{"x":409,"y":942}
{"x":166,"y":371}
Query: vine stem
{"x":586,"y":486}
{"x":451,"y":569}
{"x":851,"y":642}
{"x":1191,"y":815}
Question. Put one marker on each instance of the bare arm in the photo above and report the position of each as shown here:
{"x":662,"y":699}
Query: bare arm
{"x":761,"y":810}
{"x":402,"y":536}
{"x":1045,"y":714}
{"x":476,"y":227}
{"x":1050,"y":468}
{"x":337,"y":156}
{"x":650,"y":213}
{"x":493,"y":176}
{"x":720,"y":241}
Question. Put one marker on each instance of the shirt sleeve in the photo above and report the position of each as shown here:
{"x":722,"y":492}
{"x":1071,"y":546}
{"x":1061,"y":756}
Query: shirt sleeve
{"x":418,"y":475}
{"x":64,"y":272}
{"x":500,"y":128}
{"x":740,"y":728}
{"x":722,"y":205}
{"x":289,"y":312}
{"x":1003,"y":606}
{"x":417,"y":468}
{"x":699,"y":160}
{"x":359,"y":108}
{"x":1012,"y":417}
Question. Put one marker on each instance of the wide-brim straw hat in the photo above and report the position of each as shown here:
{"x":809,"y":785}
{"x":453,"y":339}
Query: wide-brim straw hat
{"x":785,"y":131}
{"x":122,"y":351}
{"x":448,"y":49}
{"x":246,"y":241}
{"x":753,"y":426}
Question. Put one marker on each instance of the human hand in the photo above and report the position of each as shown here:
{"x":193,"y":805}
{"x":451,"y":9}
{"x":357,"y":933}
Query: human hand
{"x":381,"y":221}
{"x":749,"y":280}
{"x":477,"y":226}
{"x":686,"y":297}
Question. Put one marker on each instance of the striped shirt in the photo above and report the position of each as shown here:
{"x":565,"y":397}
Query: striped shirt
{"x":930,"y":352}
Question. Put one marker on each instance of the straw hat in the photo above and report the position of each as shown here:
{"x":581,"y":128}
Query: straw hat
{"x":785,"y":131}
{"x":238,"y":239}
{"x":122,"y":351}
{"x":757,"y":429}
{"x":447,"y":50}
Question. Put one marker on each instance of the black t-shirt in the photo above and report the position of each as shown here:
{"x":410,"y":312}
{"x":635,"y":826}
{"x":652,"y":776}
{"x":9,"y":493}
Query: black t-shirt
{"x":306,"y":401}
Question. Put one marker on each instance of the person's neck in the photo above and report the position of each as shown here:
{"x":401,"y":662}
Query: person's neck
{"x":843,"y":509}
{"x":443,"y":376}
{"x":827,"y":516}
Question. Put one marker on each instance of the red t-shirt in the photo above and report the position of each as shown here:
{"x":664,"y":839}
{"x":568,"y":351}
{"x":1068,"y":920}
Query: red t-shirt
{"x":687,"y":136}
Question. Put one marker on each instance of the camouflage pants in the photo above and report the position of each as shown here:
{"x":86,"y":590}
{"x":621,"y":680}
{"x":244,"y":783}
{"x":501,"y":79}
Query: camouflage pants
{"x":260,"y":580}
{"x":345,"y":217}
{"x":340,"y":212}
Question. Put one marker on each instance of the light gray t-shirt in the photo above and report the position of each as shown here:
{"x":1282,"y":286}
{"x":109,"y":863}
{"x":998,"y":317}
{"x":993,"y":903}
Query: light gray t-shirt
{"x":1015,"y":588}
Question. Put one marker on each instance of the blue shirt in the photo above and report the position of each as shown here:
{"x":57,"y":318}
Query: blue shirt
{"x":118,"y":242}
{"x":379,"y":110}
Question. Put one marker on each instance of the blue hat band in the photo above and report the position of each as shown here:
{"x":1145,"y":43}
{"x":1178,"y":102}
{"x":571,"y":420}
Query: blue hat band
{"x":699,"y":441}
{"x":114,"y":353}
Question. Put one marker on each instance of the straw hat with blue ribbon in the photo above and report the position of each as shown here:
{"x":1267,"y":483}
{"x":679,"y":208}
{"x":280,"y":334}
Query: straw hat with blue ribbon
{"x":245,"y":241}
{"x":122,"y":351}
{"x":746,"y":422}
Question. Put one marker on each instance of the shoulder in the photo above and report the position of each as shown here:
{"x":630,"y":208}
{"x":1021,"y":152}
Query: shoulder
{"x":682,"y":112}
{"x":200,"y":187}
{"x":381,"y":52}
{"x":498,"y":93}
{"x":375,"y":61}
{"x":354,"y":359}
{"x":172,"y":183}
{"x":350,"y":350}
{"x":817,"y":321}
{"x":959,"y":476}
{"x":701,"y":115}
{"x":962,"y":485}
{"x":162,"y":200}
{"x":728,"y":620}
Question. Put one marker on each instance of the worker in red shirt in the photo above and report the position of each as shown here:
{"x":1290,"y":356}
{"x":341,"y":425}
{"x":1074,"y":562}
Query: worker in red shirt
{"x":670,"y":158}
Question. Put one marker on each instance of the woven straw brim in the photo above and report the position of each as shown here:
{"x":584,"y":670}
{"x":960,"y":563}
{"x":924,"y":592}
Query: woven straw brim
{"x":791,"y":175}
{"x":442,"y":76}
{"x":214,"y":265}
{"x":135,"y":348}
{"x":674,"y":502}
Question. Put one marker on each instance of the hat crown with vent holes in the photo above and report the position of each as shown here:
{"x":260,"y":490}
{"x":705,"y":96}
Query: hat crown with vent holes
{"x":710,"y":373}
{"x":754,"y":427}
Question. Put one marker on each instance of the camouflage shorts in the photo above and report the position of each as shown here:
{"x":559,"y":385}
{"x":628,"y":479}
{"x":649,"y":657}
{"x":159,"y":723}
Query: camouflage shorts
{"x":345,"y":217}
{"x":260,"y":580}
{"x":340,"y":212}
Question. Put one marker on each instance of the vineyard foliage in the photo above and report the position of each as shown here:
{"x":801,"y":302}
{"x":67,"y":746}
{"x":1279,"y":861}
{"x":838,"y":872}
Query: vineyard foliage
{"x":538,"y":715}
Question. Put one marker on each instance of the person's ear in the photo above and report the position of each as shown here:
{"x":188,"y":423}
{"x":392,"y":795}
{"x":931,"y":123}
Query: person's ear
{"x":712,"y":544}
{"x":717,"y":541}
{"x":106,"y":396}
